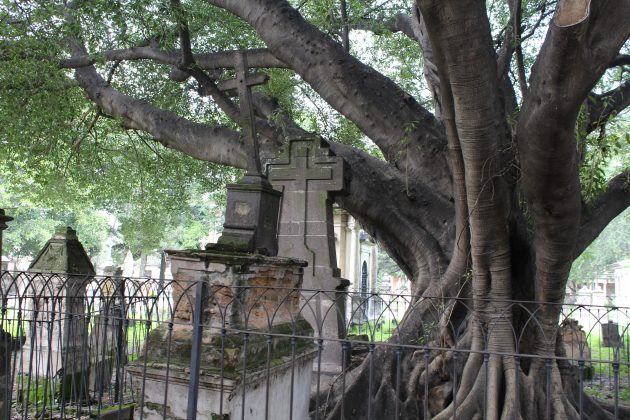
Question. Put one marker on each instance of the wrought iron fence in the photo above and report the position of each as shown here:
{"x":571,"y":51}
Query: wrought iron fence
{"x":76,"y":346}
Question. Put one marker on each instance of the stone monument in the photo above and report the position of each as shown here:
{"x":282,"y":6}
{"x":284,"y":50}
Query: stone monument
{"x":56,"y":336}
{"x":306,"y":173}
{"x":231,"y":351}
{"x":107,"y":341}
{"x":8,"y":345}
{"x":252,"y":204}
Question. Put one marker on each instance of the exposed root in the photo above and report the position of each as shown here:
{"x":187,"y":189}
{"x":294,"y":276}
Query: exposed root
{"x":473,"y":383}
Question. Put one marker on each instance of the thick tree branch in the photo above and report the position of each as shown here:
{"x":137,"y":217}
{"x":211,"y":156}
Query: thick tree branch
{"x":582,"y":39}
{"x":414,"y":28}
{"x":408,"y":134}
{"x":184,"y":34}
{"x":597,"y":215}
{"x":414,"y":235}
{"x":401,"y":22}
{"x":214,"y":144}
{"x":601,"y":108}
{"x":516,"y":11}
{"x":620,"y":60}
{"x":208,"y":61}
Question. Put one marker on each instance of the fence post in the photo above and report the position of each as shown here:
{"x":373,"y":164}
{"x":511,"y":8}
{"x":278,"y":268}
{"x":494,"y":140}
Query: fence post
{"x":5,"y":345}
{"x":195,"y":354}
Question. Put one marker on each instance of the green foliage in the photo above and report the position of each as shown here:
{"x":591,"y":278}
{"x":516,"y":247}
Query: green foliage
{"x":387,"y":266}
{"x":612,"y":245}
{"x":601,"y":149}
{"x":33,"y":226}
{"x":60,"y":153}
{"x":376,"y":332}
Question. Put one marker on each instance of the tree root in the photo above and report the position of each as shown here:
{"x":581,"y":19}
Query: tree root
{"x":468,"y":384}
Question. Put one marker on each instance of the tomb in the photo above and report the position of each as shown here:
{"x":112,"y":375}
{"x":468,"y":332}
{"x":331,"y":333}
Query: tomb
{"x":56,"y":336}
{"x":237,"y":345}
{"x":258,"y":372}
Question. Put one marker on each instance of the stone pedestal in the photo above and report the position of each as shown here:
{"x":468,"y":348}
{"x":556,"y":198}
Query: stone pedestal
{"x":250,"y":310}
{"x":251,"y":217}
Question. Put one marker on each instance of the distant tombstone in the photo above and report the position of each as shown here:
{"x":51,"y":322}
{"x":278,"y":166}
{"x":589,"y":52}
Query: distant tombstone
{"x":610,"y":334}
{"x":9,"y":282}
{"x":59,"y":293}
{"x":576,"y":346}
{"x":109,"y":270}
{"x":3,"y":225}
{"x":306,"y":174}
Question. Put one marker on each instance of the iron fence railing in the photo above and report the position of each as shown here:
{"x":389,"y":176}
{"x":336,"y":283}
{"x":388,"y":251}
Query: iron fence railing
{"x":77,"y":346}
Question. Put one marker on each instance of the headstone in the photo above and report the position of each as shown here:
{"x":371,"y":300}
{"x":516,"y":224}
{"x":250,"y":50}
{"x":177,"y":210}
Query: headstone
{"x":610,"y":334}
{"x":306,"y":174}
{"x":6,"y":348}
{"x":576,"y":346}
{"x":240,"y":292}
{"x":106,"y":341}
{"x":57,"y":335}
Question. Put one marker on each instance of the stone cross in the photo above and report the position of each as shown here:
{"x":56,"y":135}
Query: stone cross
{"x":251,"y":216}
{"x":242,"y":84}
{"x":306,"y":174}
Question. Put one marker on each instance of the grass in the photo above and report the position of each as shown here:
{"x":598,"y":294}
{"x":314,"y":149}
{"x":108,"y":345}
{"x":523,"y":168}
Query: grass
{"x":606,"y":355}
{"x":602,"y":386}
{"x":376,"y":332}
{"x":11,"y":324}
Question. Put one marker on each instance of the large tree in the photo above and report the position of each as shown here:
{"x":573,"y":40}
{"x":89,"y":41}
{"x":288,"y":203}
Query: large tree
{"x":478,"y":192}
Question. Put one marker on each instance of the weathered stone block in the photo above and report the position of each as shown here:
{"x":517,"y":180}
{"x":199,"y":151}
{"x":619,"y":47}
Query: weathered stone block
{"x":251,"y":308}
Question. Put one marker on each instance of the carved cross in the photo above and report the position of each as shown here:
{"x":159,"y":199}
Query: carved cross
{"x":306,"y":174}
{"x":242,"y":84}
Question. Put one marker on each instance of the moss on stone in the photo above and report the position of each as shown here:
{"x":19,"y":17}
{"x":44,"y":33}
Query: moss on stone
{"x":236,"y":352}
